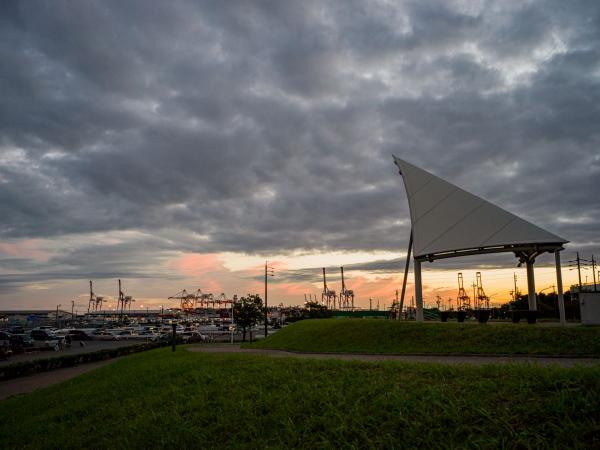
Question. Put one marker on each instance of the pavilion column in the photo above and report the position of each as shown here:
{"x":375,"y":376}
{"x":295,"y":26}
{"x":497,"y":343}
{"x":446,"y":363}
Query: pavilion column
{"x":561,"y":300}
{"x":418,"y":291}
{"x":531,"y":286}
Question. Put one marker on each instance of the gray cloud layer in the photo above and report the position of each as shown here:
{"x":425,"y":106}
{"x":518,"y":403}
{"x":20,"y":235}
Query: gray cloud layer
{"x":268,"y":126}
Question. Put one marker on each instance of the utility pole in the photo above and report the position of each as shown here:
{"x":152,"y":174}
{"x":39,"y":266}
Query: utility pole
{"x":579,"y":270}
{"x":515,"y":292}
{"x":594,"y":272}
{"x":269,"y":272}
{"x":576,"y":263}
{"x":72,"y":308}
{"x":57,"y":324}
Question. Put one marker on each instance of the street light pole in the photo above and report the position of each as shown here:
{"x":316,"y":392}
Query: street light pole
{"x":269,"y":272}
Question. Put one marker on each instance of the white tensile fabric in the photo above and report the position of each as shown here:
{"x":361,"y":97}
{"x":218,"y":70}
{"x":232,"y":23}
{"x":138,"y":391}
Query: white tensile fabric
{"x":446,"y":218}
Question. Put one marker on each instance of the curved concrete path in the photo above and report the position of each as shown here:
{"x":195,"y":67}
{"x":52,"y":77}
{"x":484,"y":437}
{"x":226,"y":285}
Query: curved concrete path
{"x":29,"y":383}
{"x":438,"y":359}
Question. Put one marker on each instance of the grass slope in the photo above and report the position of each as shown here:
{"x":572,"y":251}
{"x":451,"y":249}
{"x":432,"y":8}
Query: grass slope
{"x":191,"y":400}
{"x":388,"y":336}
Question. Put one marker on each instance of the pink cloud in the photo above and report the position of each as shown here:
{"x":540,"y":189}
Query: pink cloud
{"x":26,"y":248}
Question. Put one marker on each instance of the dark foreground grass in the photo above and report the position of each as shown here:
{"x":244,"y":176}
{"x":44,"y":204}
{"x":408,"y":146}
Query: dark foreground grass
{"x":191,"y":400}
{"x":389,"y":336}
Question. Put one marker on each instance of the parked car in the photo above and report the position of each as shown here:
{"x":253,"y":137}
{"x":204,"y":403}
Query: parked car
{"x":80,"y":335}
{"x":103,"y":335}
{"x":44,"y":339}
{"x":19,"y":343}
{"x":127,"y":334}
{"x":5,"y":347}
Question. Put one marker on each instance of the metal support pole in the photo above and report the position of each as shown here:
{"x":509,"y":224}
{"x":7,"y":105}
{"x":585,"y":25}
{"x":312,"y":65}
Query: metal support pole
{"x":561,"y":300}
{"x":406,"y":266}
{"x":531,"y":286}
{"x":418,"y":290}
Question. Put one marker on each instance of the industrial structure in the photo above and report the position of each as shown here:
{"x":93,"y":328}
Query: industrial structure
{"x":448,"y":222}
{"x":463,"y":301}
{"x":192,"y":302}
{"x":124,"y":301}
{"x":328,"y":297}
{"x":482,"y":301}
{"x":346,"y":295}
{"x":310,"y":298}
{"x":187,"y":301}
{"x":95,"y":301}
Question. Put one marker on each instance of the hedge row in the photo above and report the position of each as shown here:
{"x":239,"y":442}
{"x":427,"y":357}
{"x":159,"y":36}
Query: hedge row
{"x":44,"y":365}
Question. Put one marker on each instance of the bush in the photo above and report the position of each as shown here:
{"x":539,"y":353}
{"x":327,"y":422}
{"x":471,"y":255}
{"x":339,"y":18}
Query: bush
{"x":45,"y":365}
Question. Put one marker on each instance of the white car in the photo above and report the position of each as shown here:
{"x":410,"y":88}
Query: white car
{"x":102,"y":335}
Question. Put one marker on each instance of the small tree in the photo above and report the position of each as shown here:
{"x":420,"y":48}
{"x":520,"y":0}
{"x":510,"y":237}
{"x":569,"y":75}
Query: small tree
{"x":247,"y":312}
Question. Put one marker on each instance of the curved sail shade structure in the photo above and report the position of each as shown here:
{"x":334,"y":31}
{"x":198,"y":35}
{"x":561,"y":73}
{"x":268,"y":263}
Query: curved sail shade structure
{"x":448,"y":221}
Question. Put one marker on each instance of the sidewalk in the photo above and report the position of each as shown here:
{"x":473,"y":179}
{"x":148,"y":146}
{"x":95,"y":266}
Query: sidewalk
{"x":24,"y":385}
{"x":438,"y":359}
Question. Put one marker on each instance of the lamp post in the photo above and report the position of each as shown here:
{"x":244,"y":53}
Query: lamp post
{"x":269,"y":272}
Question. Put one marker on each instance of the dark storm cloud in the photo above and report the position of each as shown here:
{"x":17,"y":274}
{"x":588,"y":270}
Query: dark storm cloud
{"x":268,"y":126}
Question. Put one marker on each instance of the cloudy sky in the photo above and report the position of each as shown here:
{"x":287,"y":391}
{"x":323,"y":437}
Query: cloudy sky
{"x":180,"y":144}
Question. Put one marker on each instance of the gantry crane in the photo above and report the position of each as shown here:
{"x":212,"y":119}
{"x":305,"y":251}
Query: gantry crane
{"x":125,"y":301}
{"x":346,"y":295}
{"x":328,"y":297}
{"x":482,"y":300}
{"x":186,"y":300}
{"x":95,"y":301}
{"x":205,"y":299}
{"x":223,"y":301}
{"x":463,"y":301}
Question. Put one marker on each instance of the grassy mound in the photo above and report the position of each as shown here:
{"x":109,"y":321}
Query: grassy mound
{"x":159,"y":399}
{"x":388,"y":336}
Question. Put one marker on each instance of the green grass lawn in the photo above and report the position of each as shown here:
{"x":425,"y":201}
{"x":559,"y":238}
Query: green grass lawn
{"x":159,"y":399}
{"x":389,"y":336}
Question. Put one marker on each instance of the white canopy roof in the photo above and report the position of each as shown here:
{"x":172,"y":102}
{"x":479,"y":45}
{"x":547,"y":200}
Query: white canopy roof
{"x":447,"y":219}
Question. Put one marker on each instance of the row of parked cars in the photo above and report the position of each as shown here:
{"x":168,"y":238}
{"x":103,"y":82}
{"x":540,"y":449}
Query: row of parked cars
{"x":16,"y":340}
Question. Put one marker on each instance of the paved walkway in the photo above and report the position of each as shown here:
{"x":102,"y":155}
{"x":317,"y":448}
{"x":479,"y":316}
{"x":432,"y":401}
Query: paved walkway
{"x":439,"y":359}
{"x":30,"y":383}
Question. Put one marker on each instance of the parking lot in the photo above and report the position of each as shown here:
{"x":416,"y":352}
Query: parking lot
{"x":75,"y":349}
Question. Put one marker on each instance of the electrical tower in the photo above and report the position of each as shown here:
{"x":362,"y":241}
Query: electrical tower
{"x":346,"y":295}
{"x":328,"y":297}
{"x":483,"y":301}
{"x":463,"y":301}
